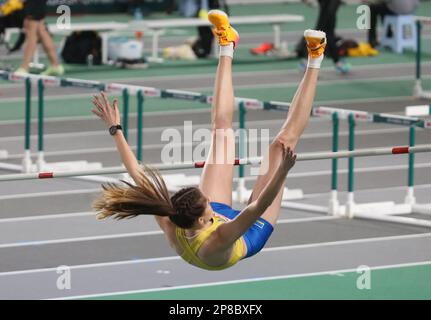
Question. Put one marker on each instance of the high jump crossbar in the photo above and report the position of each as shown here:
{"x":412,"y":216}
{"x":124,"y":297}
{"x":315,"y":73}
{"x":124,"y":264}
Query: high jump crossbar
{"x":245,"y":161}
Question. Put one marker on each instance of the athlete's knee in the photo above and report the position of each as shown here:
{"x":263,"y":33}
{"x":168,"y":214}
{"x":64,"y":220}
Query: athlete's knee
{"x":221,"y":122}
{"x":30,"y":30}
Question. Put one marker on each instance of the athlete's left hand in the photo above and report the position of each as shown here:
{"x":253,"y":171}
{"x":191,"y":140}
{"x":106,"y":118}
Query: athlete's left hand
{"x":289,"y":159}
{"x":103,"y":109}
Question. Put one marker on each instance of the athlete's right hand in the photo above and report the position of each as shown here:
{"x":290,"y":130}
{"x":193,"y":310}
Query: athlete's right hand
{"x":107,"y":113}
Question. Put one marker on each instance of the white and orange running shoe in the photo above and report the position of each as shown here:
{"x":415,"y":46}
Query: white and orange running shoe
{"x":316,"y":42}
{"x":222,"y":28}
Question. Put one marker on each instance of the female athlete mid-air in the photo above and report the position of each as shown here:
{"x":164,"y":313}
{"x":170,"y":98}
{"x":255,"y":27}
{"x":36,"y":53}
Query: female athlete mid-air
{"x":199,"y":222}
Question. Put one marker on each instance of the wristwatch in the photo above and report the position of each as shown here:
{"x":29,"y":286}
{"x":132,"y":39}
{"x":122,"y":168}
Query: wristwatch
{"x":113,"y":130}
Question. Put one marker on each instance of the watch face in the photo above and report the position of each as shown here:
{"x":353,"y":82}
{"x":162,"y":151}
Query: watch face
{"x":113,"y":130}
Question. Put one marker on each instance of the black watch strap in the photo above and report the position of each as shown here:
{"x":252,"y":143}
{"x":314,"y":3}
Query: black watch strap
{"x":113,"y":130}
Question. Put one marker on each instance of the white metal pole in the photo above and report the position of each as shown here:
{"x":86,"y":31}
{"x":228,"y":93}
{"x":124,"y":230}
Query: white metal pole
{"x":350,"y":205}
{"x":277,"y":35}
{"x":410,"y":197}
{"x":394,"y":219}
{"x":334,"y":205}
{"x":40,"y":161}
{"x":196,"y":165}
{"x":26,"y":162}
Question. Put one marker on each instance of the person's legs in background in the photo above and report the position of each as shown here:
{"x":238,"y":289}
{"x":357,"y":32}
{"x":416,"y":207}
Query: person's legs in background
{"x":202,"y":47}
{"x":377,"y":10}
{"x":55,"y":69}
{"x":35,"y":30}
{"x":326,"y":22}
{"x":30,"y":44}
{"x":301,"y":48}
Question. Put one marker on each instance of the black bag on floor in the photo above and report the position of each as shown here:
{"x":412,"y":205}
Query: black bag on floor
{"x":82,"y":47}
{"x":13,"y":20}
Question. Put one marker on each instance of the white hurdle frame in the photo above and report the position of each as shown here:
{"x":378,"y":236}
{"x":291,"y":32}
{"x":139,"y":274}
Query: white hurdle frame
{"x":360,"y":213}
{"x":418,"y":91}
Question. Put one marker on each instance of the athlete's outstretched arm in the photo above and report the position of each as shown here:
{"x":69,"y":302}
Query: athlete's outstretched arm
{"x":111,"y":116}
{"x":233,"y":230}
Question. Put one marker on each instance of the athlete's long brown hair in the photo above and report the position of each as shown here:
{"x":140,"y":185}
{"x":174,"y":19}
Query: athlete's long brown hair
{"x":150,"y":196}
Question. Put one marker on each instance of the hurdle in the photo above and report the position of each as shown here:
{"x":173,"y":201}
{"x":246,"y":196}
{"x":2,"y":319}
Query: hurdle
{"x":418,"y":111}
{"x":350,"y":211}
{"x":418,"y":91}
{"x":351,"y":208}
{"x":43,"y":81}
{"x":237,"y":162}
{"x":248,"y":104}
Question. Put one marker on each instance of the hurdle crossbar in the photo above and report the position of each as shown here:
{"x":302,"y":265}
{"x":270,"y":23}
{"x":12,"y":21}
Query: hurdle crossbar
{"x":201,"y":164}
{"x":418,"y":111}
{"x":318,"y":111}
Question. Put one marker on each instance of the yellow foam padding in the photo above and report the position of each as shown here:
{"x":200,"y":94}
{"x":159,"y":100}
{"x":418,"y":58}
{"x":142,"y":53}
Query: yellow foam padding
{"x":11,"y":6}
{"x":203,"y":14}
{"x":363,"y":50}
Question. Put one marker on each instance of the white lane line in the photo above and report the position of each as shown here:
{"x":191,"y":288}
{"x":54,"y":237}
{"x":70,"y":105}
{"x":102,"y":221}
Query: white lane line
{"x":344,"y":242}
{"x":79,"y":239}
{"x":372,"y":190}
{"x":250,"y":124}
{"x":133,"y":234}
{"x":48,"y":216}
{"x":145,"y":130}
{"x":258,"y":279}
{"x":131,"y":114}
{"x":48,"y":193}
{"x":91,"y":213}
{"x":91,"y":265}
{"x":171,"y":258}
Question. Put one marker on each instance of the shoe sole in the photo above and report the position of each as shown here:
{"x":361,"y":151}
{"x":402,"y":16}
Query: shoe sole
{"x":314,"y":34}
{"x":217,"y":12}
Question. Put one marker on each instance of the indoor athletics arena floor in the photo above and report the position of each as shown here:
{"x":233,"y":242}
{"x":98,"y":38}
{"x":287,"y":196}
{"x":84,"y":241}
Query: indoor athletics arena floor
{"x":49,"y":223}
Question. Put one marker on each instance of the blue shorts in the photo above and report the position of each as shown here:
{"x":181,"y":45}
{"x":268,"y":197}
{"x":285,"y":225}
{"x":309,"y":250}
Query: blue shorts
{"x":255,"y":237}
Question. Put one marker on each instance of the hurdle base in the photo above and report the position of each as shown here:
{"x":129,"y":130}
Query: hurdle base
{"x":69,"y":166}
{"x":4,"y":154}
{"x":10,"y":167}
{"x":333,"y":204}
{"x":288,"y":194}
{"x":420,"y":93}
{"x":304,"y":207}
{"x":27,"y":165}
{"x":422,"y":209}
{"x":383,"y":208}
{"x":410,"y":197}
{"x":394,"y":219}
